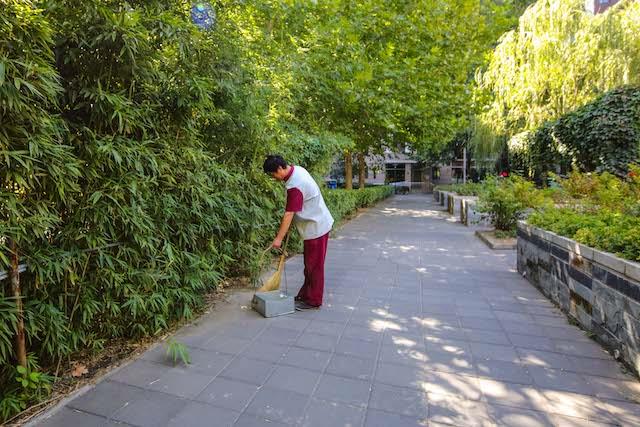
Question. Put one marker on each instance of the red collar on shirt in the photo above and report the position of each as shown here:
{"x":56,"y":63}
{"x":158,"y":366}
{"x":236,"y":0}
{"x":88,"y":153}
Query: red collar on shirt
{"x":286,"y":178}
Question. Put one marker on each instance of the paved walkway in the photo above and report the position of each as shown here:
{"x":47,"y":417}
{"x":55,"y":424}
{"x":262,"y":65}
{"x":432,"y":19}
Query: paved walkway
{"x":423,"y":325}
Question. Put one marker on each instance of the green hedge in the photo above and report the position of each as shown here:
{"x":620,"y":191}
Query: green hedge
{"x":468,"y":189}
{"x":607,"y":231}
{"x":343,"y":203}
{"x":599,"y":210}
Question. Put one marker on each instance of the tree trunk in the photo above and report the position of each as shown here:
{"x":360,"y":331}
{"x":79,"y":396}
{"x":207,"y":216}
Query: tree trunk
{"x":21,"y":343}
{"x":362,"y":168}
{"x":348,"y":172}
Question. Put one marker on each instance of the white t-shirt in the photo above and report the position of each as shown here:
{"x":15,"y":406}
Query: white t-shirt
{"x":313,"y":218}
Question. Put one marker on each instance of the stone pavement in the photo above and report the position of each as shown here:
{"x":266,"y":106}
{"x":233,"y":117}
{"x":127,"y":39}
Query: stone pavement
{"x":422,"y":325}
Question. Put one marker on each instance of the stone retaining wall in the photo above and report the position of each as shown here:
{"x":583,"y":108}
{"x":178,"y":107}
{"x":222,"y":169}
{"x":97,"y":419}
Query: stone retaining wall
{"x":462,"y":207}
{"x":598,"y":289}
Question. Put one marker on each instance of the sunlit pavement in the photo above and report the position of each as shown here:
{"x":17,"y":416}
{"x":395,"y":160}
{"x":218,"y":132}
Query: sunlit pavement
{"x":422,"y":325}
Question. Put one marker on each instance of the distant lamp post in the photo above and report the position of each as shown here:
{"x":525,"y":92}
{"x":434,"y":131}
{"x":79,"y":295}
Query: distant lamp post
{"x":203,"y":15}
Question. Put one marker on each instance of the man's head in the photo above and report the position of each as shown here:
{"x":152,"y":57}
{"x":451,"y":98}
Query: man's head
{"x":276,"y":166}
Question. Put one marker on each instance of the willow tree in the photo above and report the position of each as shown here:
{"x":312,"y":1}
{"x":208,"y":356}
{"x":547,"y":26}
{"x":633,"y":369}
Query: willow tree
{"x":559,"y":58}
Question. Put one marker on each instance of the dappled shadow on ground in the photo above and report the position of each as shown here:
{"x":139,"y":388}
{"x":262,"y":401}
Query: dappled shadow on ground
{"x":421,"y":325}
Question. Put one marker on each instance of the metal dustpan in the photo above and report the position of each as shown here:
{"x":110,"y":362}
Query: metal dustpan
{"x":268,"y":299}
{"x":273,"y":282}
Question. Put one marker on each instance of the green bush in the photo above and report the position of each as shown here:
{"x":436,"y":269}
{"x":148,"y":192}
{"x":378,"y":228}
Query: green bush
{"x":343,"y":203}
{"x":605,"y":230}
{"x":604,"y":135}
{"x":505,"y":200}
{"x":599,"y":210}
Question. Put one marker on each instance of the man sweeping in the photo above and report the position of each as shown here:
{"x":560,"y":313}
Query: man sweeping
{"x":307,"y":210}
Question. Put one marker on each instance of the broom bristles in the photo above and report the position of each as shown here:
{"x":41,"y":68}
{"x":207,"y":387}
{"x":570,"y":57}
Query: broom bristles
{"x":273,"y":282}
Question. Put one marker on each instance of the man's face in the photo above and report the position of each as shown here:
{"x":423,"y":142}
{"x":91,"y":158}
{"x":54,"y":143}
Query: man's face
{"x":280,"y":174}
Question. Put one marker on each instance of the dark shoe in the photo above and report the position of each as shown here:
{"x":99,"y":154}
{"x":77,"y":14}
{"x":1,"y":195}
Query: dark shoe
{"x":298,"y":299}
{"x":301,"y":305}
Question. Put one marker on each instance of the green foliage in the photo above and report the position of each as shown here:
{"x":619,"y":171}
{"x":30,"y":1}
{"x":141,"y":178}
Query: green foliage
{"x":599,"y":210}
{"x":603,"y":135}
{"x":22,"y":386}
{"x":177,"y":350}
{"x":604,"y":230}
{"x":343,"y":203}
{"x":505,"y":200}
{"x":558,"y":59}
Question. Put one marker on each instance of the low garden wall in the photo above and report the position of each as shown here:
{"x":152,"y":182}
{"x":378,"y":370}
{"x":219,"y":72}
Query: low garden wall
{"x":598,"y":289}
{"x":462,"y":207}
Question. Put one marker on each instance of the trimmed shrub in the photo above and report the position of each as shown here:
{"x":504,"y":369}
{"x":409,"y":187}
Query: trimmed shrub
{"x":505,"y":200}
{"x":468,"y":189}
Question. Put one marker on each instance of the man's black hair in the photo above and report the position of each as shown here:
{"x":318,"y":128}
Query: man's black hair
{"x":273,"y":162}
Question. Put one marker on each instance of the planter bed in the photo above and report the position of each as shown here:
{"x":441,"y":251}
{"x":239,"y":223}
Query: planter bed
{"x":599,"y":290}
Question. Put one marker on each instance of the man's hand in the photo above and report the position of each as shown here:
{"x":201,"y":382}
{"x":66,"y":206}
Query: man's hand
{"x":277,"y":243}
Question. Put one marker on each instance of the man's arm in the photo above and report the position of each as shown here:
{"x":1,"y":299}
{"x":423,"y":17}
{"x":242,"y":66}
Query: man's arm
{"x":284,"y":227}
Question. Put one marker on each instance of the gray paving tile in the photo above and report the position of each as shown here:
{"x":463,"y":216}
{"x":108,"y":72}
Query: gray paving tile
{"x":150,"y":409}
{"x":314,"y":360}
{"x":351,"y":367}
{"x":403,"y":401}
{"x":225,"y":344}
{"x":597,"y":367}
{"x":181,"y":382}
{"x":228,"y":394}
{"x":357,"y":348}
{"x":514,"y":395}
{"x":205,"y":361}
{"x":290,"y":378}
{"x":317,"y":342}
{"x":458,"y":412}
{"x":346,"y":390}
{"x":615,"y":389}
{"x":509,"y":416}
{"x":480,"y":323}
{"x":323,"y":328}
{"x":265,"y":351}
{"x":105,"y":398}
{"x":331,"y":414}
{"x":139,"y":373}
{"x":248,"y":370}
{"x":377,"y":418}
{"x":523,"y":328}
{"x":197,"y":414}
{"x":483,"y":351}
{"x":278,"y":405}
{"x":362,"y":333}
{"x":275,"y":335}
{"x":443,"y":345}
{"x":544,"y":359}
{"x":503,"y":371}
{"x":488,"y":337}
{"x":531,"y":342}
{"x":560,"y":380}
{"x":582,"y":349}
{"x":71,"y":417}
{"x":247,"y":420}
{"x":410,"y":356}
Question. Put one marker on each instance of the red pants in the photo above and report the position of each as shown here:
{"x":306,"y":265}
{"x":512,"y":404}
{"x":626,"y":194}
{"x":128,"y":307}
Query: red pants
{"x":315,"y":251}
